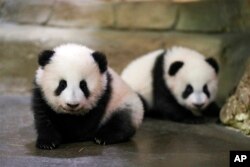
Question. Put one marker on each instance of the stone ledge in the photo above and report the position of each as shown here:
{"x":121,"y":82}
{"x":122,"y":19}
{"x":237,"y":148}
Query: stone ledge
{"x":148,"y":15}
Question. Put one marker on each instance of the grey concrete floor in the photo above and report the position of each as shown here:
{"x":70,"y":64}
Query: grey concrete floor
{"x":157,"y":143}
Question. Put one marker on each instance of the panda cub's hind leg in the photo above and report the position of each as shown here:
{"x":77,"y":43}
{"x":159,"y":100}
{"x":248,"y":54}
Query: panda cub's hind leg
{"x":118,"y":128}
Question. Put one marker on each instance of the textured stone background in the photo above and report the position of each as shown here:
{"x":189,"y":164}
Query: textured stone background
{"x":123,"y":29}
{"x":236,"y":111}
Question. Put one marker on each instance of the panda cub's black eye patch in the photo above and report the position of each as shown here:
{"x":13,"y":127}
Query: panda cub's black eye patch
{"x":84,"y":87}
{"x":61,"y":86}
{"x":206,"y":91}
{"x":187,"y":91}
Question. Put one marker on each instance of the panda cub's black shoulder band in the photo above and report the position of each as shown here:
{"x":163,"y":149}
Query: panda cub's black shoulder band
{"x":163,"y":53}
{"x":158,"y":71}
{"x":160,"y":59}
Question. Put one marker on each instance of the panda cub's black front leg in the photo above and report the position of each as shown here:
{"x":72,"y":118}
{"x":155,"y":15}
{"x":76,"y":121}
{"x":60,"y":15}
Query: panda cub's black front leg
{"x":213,"y":110}
{"x":118,"y":128}
{"x":49,"y":140}
{"x":48,"y":137}
{"x":175,"y":112}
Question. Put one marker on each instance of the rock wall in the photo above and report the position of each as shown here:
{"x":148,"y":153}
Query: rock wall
{"x":236,"y":111}
{"x":123,"y":29}
{"x":181,"y":15}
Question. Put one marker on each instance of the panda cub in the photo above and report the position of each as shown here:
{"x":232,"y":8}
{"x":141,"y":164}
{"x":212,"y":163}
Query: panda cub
{"x":77,"y":97}
{"x":178,"y":84}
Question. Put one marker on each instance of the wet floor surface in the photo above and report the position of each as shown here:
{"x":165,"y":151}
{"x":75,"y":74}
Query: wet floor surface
{"x":160,"y":143}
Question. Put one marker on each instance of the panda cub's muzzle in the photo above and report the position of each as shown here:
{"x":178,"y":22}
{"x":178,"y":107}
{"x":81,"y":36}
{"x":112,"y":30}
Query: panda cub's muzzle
{"x":71,"y":107}
{"x":198,"y":101}
{"x":198,"y":105}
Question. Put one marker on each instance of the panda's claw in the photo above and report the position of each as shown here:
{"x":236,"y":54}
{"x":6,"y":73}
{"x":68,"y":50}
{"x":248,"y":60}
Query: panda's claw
{"x":47,"y":144}
{"x":99,"y":141}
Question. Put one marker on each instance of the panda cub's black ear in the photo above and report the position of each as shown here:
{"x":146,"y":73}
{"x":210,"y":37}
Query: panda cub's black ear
{"x":211,"y":61}
{"x":44,"y":57}
{"x":174,"y":67}
{"x":101,"y":60}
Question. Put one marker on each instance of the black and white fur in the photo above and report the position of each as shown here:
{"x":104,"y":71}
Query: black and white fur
{"x":77,"y":97}
{"x":178,"y":84}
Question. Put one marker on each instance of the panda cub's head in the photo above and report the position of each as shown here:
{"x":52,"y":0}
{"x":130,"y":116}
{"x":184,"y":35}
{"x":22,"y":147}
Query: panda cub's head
{"x":71,"y":78}
{"x":191,"y":78}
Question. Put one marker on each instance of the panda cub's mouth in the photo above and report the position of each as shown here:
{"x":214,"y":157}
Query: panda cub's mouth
{"x":78,"y":110}
{"x":70,"y":110}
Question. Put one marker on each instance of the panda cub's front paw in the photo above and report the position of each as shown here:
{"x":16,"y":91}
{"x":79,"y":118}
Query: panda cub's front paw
{"x":100,"y":141}
{"x":48,"y":143}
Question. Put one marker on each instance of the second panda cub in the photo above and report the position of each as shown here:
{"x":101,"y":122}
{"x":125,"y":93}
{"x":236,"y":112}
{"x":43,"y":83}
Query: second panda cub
{"x":77,"y":97}
{"x":178,"y":84}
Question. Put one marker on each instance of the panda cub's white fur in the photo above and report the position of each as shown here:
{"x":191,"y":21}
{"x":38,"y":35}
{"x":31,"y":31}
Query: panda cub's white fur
{"x":77,"y":97}
{"x":138,"y":75}
{"x":177,"y":84}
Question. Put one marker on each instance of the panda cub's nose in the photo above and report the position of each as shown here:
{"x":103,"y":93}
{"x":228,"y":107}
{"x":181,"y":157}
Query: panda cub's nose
{"x":72,"y":105}
{"x":198,"y":106}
